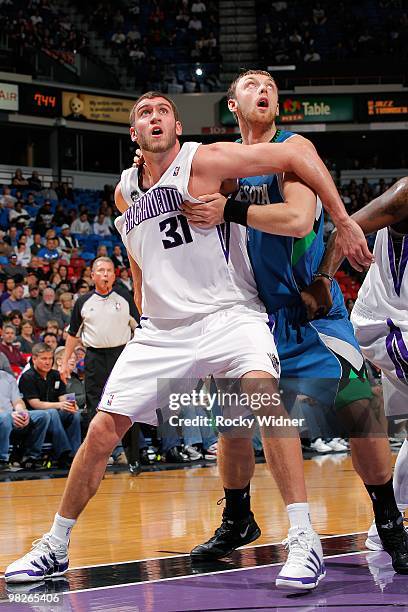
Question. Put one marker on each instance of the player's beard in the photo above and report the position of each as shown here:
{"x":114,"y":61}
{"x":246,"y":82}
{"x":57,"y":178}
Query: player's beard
{"x":150,"y":145}
{"x":254,"y":116}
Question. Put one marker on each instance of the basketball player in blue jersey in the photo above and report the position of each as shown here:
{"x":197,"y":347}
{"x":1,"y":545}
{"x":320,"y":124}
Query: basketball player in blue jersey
{"x":308,"y":351}
{"x":201,"y":311}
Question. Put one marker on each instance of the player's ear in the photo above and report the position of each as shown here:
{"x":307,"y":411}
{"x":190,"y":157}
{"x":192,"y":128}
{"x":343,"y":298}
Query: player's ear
{"x":133,"y":134}
{"x":179,"y":128}
{"x":232,"y":105}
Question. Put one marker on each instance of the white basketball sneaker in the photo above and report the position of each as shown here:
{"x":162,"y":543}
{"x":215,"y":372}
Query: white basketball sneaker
{"x":45,"y":560}
{"x":304,"y":567}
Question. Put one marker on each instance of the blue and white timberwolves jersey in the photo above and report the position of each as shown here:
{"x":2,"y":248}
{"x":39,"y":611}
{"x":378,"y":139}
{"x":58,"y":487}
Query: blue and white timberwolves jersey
{"x":282,"y":265}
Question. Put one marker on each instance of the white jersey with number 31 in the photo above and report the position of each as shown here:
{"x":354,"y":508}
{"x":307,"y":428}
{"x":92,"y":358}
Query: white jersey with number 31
{"x":185,"y":270}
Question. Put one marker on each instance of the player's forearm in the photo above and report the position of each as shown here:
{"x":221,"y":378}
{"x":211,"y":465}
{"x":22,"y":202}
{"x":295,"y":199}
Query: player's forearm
{"x":279,"y":219}
{"x":333,"y":257}
{"x":308,"y":166}
{"x":137,"y":282}
{"x":389,"y":208}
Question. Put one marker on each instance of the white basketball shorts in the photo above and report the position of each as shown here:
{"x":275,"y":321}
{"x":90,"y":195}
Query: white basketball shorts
{"x":384,"y":343}
{"x":227,"y":343}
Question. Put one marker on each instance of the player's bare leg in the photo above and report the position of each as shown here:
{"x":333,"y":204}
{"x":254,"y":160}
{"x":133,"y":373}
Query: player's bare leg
{"x":89,"y":465}
{"x":371,"y":456}
{"x":285,"y":461}
{"x":49,"y":555}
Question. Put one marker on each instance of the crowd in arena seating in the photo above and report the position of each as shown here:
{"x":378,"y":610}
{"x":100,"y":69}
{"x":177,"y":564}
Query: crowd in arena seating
{"x":317,"y":31}
{"x":161,"y":48}
{"x":49,"y":235}
{"x":41,"y":25}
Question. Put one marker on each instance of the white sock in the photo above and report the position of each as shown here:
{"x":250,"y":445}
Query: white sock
{"x":400,"y":480}
{"x":299,"y":515}
{"x":61,"y":529}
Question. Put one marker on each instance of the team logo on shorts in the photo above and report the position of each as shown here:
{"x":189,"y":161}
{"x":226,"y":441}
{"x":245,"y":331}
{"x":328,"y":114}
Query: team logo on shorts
{"x":176,"y":171}
{"x":110,"y":399}
{"x":274,"y":361}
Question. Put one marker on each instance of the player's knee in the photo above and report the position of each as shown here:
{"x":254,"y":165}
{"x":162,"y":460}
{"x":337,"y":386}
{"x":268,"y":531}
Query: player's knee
{"x":101,"y":437}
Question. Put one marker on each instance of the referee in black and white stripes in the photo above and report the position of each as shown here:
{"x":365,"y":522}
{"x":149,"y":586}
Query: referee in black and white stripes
{"x":104,"y":320}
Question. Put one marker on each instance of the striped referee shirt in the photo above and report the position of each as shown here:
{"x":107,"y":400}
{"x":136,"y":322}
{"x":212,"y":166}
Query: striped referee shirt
{"x":103,"y":321}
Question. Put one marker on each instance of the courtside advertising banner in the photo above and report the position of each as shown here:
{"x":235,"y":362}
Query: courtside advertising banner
{"x":8,"y":97}
{"x":78,"y":106}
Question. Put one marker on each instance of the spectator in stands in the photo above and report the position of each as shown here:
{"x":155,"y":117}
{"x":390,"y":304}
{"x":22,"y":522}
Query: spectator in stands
{"x":28,"y":428}
{"x":5,"y":248}
{"x":12,"y":235}
{"x":16,"y":318}
{"x":86,"y":275}
{"x":102,"y":226}
{"x":60,"y":215}
{"x":26,"y":337}
{"x":66,"y":302}
{"x":125,"y":280}
{"x":16,"y":301}
{"x":10,"y":284}
{"x":13,"y":268}
{"x":19,"y":215}
{"x":349,"y":305}
{"x":319,"y":16}
{"x":82,"y":288}
{"x":195,"y":24}
{"x":49,"y":193}
{"x":9,"y":349}
{"x":311,"y":55}
{"x":5,"y":364}
{"x":74,"y":384}
{"x":37,"y":244}
{"x":102,"y":251}
{"x":81,"y":225}
{"x":7,"y":200}
{"x":23,"y":252}
{"x":198,"y":8}
{"x":18,"y":179}
{"x":44,"y":218}
{"x":118,"y":258}
{"x":43,"y":389}
{"x":34,"y":182}
{"x":51,"y":340}
{"x":49,"y":252}
{"x":34,"y":295}
{"x":64,"y":192}
{"x":48,"y":309}
{"x":67,"y":242}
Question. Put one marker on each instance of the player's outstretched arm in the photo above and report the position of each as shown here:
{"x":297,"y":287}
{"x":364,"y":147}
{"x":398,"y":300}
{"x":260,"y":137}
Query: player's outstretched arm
{"x":293,"y":217}
{"x":297,"y":155}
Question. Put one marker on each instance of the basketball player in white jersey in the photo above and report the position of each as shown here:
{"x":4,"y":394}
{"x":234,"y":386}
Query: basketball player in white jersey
{"x":201,"y":311}
{"x":380,"y":314}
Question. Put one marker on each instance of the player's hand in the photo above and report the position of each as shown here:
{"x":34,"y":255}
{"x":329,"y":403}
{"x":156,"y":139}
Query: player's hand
{"x":352,"y":243}
{"x":317,"y":298}
{"x":208,"y":214}
{"x":138,"y":159}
